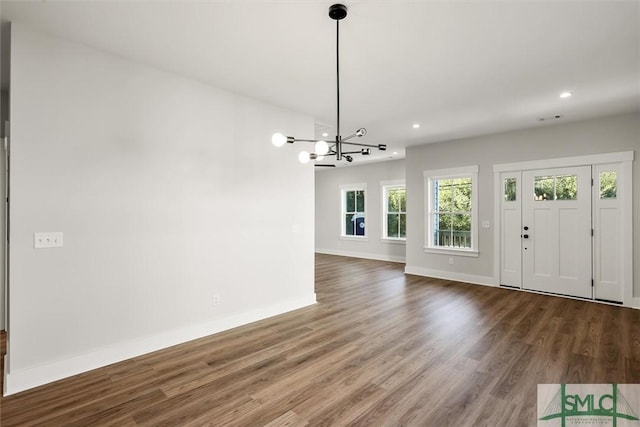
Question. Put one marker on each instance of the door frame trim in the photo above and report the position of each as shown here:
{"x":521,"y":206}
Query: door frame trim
{"x":625,"y":158}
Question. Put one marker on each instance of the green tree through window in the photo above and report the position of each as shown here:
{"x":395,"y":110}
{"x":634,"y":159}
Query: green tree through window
{"x":395,"y":212}
{"x":452,"y":212}
{"x":608,"y":185}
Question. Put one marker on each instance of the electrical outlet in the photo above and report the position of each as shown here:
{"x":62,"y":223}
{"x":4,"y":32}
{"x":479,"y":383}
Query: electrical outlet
{"x":450,"y":261}
{"x":216,"y":299}
{"x":47,"y":240}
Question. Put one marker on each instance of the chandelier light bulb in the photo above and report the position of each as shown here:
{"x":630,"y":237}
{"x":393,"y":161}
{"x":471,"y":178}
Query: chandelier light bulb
{"x":322,"y":148}
{"x":278,"y":139}
{"x":361,"y":132}
{"x":304,"y":157}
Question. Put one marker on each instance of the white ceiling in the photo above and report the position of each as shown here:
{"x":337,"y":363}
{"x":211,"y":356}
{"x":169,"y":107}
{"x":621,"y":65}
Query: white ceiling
{"x":457,"y":68}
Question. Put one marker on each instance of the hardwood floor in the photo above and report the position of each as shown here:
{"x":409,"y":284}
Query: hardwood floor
{"x":379,"y":348}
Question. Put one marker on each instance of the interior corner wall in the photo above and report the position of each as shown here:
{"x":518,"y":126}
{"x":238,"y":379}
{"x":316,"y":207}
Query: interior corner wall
{"x":603,"y":135}
{"x":328,"y":210}
{"x":4,"y":116}
{"x":170,"y":197}
{"x":4,"y":110}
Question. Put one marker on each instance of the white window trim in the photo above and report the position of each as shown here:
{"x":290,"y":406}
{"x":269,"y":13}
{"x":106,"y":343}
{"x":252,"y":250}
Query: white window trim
{"x":353,"y":187}
{"x":460,"y":172}
{"x":384,"y":186}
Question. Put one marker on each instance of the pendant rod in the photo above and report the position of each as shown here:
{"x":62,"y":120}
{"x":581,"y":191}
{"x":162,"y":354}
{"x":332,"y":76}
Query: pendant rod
{"x":338,"y":137}
{"x":338,"y":76}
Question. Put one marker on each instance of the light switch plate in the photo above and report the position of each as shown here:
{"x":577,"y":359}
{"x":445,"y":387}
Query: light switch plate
{"x":47,"y":240}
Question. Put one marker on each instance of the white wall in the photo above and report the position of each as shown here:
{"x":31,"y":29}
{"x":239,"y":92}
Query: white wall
{"x":168,"y":192}
{"x":328,"y":210}
{"x":611,"y":134}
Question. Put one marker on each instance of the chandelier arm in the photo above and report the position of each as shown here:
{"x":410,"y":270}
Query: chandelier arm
{"x":307,"y":140}
{"x":361,"y":145}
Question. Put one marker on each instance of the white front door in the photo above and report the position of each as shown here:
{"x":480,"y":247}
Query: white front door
{"x":556,"y":231}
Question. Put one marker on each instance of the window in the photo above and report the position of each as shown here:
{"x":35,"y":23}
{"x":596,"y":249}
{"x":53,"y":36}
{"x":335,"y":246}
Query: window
{"x":353,"y":210}
{"x":451,"y":206}
{"x":557,"y":187}
{"x":510,"y":189}
{"x":394,"y":210}
{"x":608,"y":185}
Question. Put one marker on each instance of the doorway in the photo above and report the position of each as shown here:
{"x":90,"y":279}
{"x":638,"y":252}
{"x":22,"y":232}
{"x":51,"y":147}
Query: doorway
{"x":556,"y":231}
{"x":562,"y":226}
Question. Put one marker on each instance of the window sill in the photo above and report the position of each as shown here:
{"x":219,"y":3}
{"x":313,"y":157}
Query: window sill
{"x":394,"y":241}
{"x":354,"y":238}
{"x":452,"y":251}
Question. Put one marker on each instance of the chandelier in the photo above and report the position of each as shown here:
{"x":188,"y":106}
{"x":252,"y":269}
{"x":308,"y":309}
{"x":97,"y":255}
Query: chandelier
{"x":337,"y":147}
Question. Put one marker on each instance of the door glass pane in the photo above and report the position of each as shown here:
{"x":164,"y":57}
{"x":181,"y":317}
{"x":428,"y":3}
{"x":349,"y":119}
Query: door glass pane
{"x":510,"y":189}
{"x":566,"y":187}
{"x":543,"y":188}
{"x":608,"y":185}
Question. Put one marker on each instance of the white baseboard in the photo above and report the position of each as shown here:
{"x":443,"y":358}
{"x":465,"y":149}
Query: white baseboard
{"x":377,"y":257}
{"x":490,"y":281}
{"x":449,"y":275}
{"x":23,"y":379}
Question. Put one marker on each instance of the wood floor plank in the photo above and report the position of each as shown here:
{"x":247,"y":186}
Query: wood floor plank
{"x":400,"y":403}
{"x":379,"y":348}
{"x":288,"y":419}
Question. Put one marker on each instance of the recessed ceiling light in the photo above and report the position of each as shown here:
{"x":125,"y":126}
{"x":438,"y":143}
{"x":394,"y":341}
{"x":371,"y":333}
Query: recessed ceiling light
{"x":395,"y":153}
{"x":565,"y":95}
{"x":324,"y":134}
{"x":416,"y":125}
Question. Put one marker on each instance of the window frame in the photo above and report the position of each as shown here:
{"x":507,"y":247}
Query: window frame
{"x":450,"y":173}
{"x":343,"y":206}
{"x":385,"y":186}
